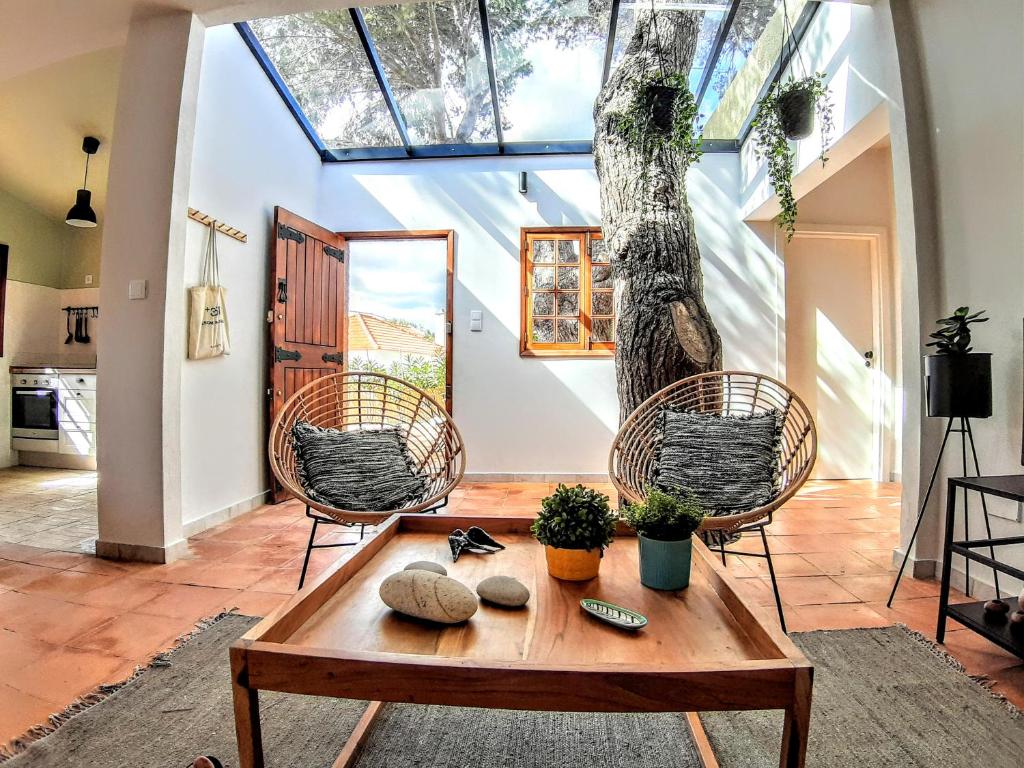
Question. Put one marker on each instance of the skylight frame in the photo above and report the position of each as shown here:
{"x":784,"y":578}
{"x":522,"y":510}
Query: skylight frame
{"x":410,"y":151}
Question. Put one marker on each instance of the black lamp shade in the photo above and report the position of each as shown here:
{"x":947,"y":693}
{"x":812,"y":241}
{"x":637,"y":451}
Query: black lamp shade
{"x":81,"y":213}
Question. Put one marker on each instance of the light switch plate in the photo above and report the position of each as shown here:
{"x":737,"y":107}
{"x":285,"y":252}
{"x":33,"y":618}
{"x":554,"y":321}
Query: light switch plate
{"x":88,"y":279}
{"x":138,"y":289}
{"x":476,"y":320}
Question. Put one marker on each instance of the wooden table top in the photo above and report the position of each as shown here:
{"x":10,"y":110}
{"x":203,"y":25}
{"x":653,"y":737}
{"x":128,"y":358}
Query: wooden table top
{"x":705,"y":626}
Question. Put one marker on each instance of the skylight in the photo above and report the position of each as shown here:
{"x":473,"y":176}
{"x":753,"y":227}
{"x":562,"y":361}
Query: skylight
{"x":458,"y":78}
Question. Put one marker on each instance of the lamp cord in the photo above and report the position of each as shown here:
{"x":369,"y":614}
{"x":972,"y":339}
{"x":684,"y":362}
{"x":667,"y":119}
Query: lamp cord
{"x":85,"y":182}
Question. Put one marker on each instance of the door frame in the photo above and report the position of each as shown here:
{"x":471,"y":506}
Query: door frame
{"x":884,"y":426}
{"x":447,"y":235}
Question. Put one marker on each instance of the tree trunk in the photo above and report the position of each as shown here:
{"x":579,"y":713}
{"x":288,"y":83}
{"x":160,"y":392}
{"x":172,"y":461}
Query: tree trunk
{"x":664,"y":331}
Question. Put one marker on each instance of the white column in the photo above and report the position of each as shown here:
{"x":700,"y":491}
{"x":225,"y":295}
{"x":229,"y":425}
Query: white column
{"x":141,"y":352}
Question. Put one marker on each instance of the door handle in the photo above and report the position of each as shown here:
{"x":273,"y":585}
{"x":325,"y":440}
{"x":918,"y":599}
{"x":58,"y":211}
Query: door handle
{"x":282,"y":290}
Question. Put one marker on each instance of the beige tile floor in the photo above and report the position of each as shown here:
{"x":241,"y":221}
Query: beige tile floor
{"x":49,"y":508}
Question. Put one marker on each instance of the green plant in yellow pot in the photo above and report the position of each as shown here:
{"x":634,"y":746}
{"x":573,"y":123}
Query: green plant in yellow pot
{"x":574,"y":525}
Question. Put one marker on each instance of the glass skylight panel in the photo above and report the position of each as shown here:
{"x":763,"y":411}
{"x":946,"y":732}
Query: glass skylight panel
{"x":549,"y":57}
{"x":321,"y":60}
{"x":433,"y":57}
{"x":750,"y":52}
{"x":712,"y":13}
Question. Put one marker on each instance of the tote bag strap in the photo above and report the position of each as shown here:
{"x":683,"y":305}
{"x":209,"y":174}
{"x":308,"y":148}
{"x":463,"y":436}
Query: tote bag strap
{"x":211,"y":264}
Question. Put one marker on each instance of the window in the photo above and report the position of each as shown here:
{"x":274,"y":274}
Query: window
{"x":567,"y":304}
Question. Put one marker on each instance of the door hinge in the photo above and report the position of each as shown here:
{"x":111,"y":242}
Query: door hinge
{"x":333,"y":357}
{"x":284,"y":232}
{"x":282,"y":290}
{"x":280,"y":355}
{"x":335,"y":253}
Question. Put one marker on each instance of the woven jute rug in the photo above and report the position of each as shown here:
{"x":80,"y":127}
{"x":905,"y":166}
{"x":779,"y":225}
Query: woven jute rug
{"x":882,"y":697}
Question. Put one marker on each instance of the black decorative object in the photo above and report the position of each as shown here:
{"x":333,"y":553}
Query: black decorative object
{"x":81,"y":213}
{"x":796,"y":112}
{"x":958,"y":384}
{"x":476,"y":541}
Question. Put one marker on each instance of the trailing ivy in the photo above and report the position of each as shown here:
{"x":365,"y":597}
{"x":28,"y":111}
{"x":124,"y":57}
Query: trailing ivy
{"x":639,"y":125}
{"x":772,"y":145}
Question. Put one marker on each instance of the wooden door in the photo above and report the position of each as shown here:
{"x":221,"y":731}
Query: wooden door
{"x":309,"y":321}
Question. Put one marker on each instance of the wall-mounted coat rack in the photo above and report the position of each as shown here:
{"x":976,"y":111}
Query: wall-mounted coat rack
{"x":207,"y":219}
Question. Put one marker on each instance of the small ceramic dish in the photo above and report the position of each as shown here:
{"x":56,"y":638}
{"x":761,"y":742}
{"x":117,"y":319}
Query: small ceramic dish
{"x":616,"y":615}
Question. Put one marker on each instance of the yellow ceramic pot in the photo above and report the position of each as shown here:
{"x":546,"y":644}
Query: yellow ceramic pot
{"x":573,"y":564}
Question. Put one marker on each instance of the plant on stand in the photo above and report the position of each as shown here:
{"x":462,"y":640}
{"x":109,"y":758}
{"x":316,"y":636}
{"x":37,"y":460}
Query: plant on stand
{"x":958,"y":380}
{"x":574,"y":525}
{"x":665,"y":524}
{"x":787,"y":113}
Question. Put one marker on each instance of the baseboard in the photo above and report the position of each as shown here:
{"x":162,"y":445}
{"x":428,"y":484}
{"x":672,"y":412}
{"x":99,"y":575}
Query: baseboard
{"x":210,"y":519}
{"x":982,"y":584}
{"x":922,"y":568}
{"x":141,"y":553}
{"x":535,"y":477}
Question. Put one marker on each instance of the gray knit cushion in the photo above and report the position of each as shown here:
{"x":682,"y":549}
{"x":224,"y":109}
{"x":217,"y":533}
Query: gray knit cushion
{"x":729,"y":463}
{"x":368,"y":470}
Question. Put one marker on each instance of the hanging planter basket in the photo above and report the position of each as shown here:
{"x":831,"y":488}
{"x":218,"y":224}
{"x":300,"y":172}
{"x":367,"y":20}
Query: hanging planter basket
{"x":795,"y":109}
{"x":659,"y":101}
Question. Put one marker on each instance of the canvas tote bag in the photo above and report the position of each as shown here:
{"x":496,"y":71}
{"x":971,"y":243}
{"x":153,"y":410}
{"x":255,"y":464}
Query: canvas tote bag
{"x":208,"y":314}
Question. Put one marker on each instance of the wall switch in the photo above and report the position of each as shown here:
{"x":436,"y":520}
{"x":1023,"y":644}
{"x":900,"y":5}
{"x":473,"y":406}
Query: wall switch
{"x":476,"y":320}
{"x":137,"y":289}
{"x":88,"y":279}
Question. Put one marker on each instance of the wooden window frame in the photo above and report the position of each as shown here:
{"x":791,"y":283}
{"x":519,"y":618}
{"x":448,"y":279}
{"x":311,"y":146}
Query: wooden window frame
{"x":585,"y":348}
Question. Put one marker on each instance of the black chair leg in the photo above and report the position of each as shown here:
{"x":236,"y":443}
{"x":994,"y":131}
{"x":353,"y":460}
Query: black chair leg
{"x":721,"y":546}
{"x":775,"y":583}
{"x":309,"y":551}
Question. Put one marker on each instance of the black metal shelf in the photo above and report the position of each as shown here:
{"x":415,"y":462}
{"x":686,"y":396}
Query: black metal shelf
{"x":995,"y":627}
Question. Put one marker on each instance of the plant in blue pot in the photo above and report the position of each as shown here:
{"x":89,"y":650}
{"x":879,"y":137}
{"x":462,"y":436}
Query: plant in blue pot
{"x":665,"y":524}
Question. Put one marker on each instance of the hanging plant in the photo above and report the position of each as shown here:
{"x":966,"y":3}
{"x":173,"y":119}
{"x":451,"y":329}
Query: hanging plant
{"x":661,"y":114}
{"x":786,"y":113}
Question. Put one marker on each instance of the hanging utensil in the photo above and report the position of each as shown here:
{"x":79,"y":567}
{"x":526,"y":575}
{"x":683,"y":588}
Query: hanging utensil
{"x":70,"y":337}
{"x":85,"y":328}
{"x":78,"y":327}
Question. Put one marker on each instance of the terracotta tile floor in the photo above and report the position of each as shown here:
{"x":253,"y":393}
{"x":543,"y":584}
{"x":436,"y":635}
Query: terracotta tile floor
{"x":69,"y":622}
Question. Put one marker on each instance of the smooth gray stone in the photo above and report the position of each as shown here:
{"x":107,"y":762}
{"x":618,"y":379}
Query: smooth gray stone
{"x":429,"y":596}
{"x":503,"y":590}
{"x":427,"y":565}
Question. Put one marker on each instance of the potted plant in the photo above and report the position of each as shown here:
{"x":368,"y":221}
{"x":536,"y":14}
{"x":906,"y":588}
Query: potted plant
{"x":665,"y":523}
{"x":660,"y":114}
{"x":957,"y":380}
{"x":787,"y":112}
{"x":574,"y":525}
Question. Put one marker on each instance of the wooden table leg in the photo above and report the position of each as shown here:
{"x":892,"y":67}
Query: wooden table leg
{"x":798,"y":722}
{"x":247,"y":713}
{"x":705,"y":753}
{"x":358,"y":737}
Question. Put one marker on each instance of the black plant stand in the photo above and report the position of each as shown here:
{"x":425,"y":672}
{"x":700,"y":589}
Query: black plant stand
{"x":994,"y":626}
{"x":966,"y":437}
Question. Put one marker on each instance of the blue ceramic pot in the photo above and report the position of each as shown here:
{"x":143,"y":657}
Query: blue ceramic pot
{"x":665,"y":564}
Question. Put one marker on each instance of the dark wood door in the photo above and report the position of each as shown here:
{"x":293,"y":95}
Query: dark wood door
{"x":309,"y":321}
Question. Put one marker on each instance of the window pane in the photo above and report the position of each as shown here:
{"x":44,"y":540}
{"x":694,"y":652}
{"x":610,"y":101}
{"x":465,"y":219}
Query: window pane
{"x":568,"y":278}
{"x":543,"y":303}
{"x":544,"y":277}
{"x":569,"y":304}
{"x":549,"y":57}
{"x":601,"y":277}
{"x":568,"y":331}
{"x":602,"y":329}
{"x":544,"y":251}
{"x":544,"y":331}
{"x":568,"y":251}
{"x":750,"y":52}
{"x":322,"y":62}
{"x":599,"y":252}
{"x":602,"y":303}
{"x":433,"y":57}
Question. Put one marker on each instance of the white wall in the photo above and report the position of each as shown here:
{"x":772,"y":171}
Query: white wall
{"x":249,"y":156}
{"x":542,"y":416}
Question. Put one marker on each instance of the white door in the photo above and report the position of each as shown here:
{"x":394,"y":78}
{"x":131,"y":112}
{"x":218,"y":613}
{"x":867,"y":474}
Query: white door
{"x":831,"y":357}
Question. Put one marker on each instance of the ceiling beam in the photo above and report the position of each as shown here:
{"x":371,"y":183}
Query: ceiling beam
{"x":485,"y":29}
{"x":382,"y":80}
{"x":609,"y":47}
{"x":712,"y":62}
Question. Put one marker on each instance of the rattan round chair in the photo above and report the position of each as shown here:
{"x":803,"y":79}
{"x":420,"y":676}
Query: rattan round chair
{"x":358,"y":400}
{"x":632,"y":462}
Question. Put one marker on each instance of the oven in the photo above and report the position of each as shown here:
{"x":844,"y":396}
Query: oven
{"x":34,"y":407}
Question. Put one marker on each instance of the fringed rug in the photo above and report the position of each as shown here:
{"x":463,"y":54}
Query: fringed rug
{"x":882,"y":697}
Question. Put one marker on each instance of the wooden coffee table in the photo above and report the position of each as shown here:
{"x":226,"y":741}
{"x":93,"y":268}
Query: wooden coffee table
{"x":703,"y":650}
